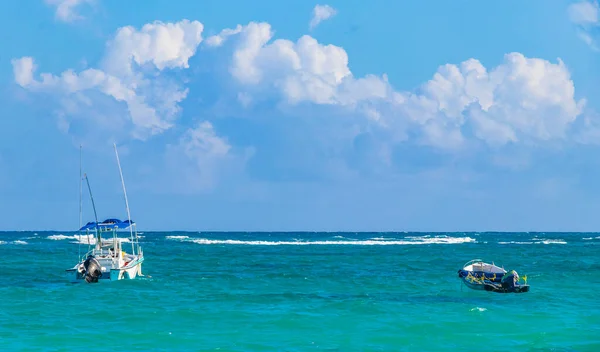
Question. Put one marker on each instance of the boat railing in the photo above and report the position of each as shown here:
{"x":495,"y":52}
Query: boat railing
{"x":472,"y":262}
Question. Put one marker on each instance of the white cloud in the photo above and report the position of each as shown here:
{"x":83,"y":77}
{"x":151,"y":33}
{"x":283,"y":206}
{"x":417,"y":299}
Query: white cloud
{"x":320,"y":14}
{"x":202,"y":142}
{"x":533,"y":97}
{"x":23,"y":70}
{"x":200,"y":157}
{"x":300,"y":71}
{"x":585,"y":15}
{"x":583,"y":12}
{"x":65,"y":9}
{"x":523,"y":99}
{"x":130,"y":73}
{"x":163,"y":45}
{"x":527,"y":97}
{"x":218,"y":39}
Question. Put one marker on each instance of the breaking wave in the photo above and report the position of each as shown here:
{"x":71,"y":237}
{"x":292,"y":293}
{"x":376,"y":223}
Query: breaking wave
{"x":369,"y":242}
{"x":177,"y":237}
{"x":21,"y":242}
{"x":83,"y":239}
{"x":537,"y":241}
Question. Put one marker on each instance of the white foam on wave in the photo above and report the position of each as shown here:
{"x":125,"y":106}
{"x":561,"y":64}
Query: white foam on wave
{"x":536,"y":241}
{"x":19,"y":242}
{"x":177,"y":237}
{"x":59,"y":237}
{"x":424,"y":236}
{"x":421,"y":241}
{"x":79,"y":239}
{"x":558,"y":241}
{"x":82,"y":239}
{"x":479,"y":309}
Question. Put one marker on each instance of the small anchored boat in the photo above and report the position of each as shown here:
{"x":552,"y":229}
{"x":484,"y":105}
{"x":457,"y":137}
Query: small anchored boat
{"x":479,"y":275}
{"x":106,"y":258}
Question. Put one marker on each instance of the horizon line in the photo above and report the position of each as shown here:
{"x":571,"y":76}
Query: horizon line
{"x":328,"y":231}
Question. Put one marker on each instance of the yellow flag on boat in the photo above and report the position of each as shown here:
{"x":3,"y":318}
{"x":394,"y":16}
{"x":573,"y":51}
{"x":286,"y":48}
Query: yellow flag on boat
{"x":525,"y":278}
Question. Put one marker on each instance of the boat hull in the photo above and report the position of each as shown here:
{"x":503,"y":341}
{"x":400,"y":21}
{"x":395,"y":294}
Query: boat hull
{"x":473,"y":285}
{"x":129,"y":272}
{"x":500,"y":289}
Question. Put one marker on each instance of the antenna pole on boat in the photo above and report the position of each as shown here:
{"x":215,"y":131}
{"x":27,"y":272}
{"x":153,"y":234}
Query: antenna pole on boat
{"x":126,"y":202}
{"x":80,"y":191}
{"x":93,"y":206}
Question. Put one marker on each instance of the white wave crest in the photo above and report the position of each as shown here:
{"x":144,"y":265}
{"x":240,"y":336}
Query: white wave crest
{"x":421,"y":241}
{"x":20,"y":242}
{"x":82,"y":239}
{"x":558,"y":241}
{"x":177,"y":237}
{"x":479,"y":309}
{"x":537,"y":241}
{"x":59,"y":237}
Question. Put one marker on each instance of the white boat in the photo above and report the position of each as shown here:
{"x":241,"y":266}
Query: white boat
{"x":107,"y":258}
{"x":479,"y":275}
{"x":476,"y":272}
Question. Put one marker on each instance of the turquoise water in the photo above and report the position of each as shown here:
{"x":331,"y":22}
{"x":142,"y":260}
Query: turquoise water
{"x":304,"y":292}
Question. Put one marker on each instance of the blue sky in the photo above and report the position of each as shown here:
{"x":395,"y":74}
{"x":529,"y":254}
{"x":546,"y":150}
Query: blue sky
{"x":271,"y":115}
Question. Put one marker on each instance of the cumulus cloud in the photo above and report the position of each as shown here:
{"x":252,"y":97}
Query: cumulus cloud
{"x":520,"y":101}
{"x":585,"y":15}
{"x":321,"y":13}
{"x":161,"y":45}
{"x":201,"y":157}
{"x":65,"y":9}
{"x":130,"y":73}
{"x":299,"y":71}
{"x":523,"y":99}
{"x":202,"y":142}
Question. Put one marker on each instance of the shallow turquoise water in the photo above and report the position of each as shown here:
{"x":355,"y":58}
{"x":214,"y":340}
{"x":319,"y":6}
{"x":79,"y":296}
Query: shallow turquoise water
{"x":303,"y":292}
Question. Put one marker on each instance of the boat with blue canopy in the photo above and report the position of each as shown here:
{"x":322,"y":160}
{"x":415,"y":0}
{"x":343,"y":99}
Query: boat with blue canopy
{"x":107,"y":258}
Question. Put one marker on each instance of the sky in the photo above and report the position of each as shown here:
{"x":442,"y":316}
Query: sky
{"x":295,"y":115}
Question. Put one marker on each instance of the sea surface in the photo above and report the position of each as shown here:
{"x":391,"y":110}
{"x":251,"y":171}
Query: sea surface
{"x":304,"y":292}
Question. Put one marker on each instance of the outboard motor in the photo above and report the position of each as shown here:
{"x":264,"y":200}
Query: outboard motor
{"x":92,"y":269}
{"x":510,"y":280}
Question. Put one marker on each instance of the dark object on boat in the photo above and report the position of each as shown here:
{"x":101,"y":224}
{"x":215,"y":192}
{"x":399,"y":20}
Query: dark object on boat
{"x":92,"y":269}
{"x":508,"y":284}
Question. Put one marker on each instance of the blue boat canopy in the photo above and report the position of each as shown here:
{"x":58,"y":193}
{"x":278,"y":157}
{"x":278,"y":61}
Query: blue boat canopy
{"x":108,"y":223}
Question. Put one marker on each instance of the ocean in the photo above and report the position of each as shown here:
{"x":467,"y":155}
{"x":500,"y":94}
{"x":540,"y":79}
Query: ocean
{"x":304,"y":292}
